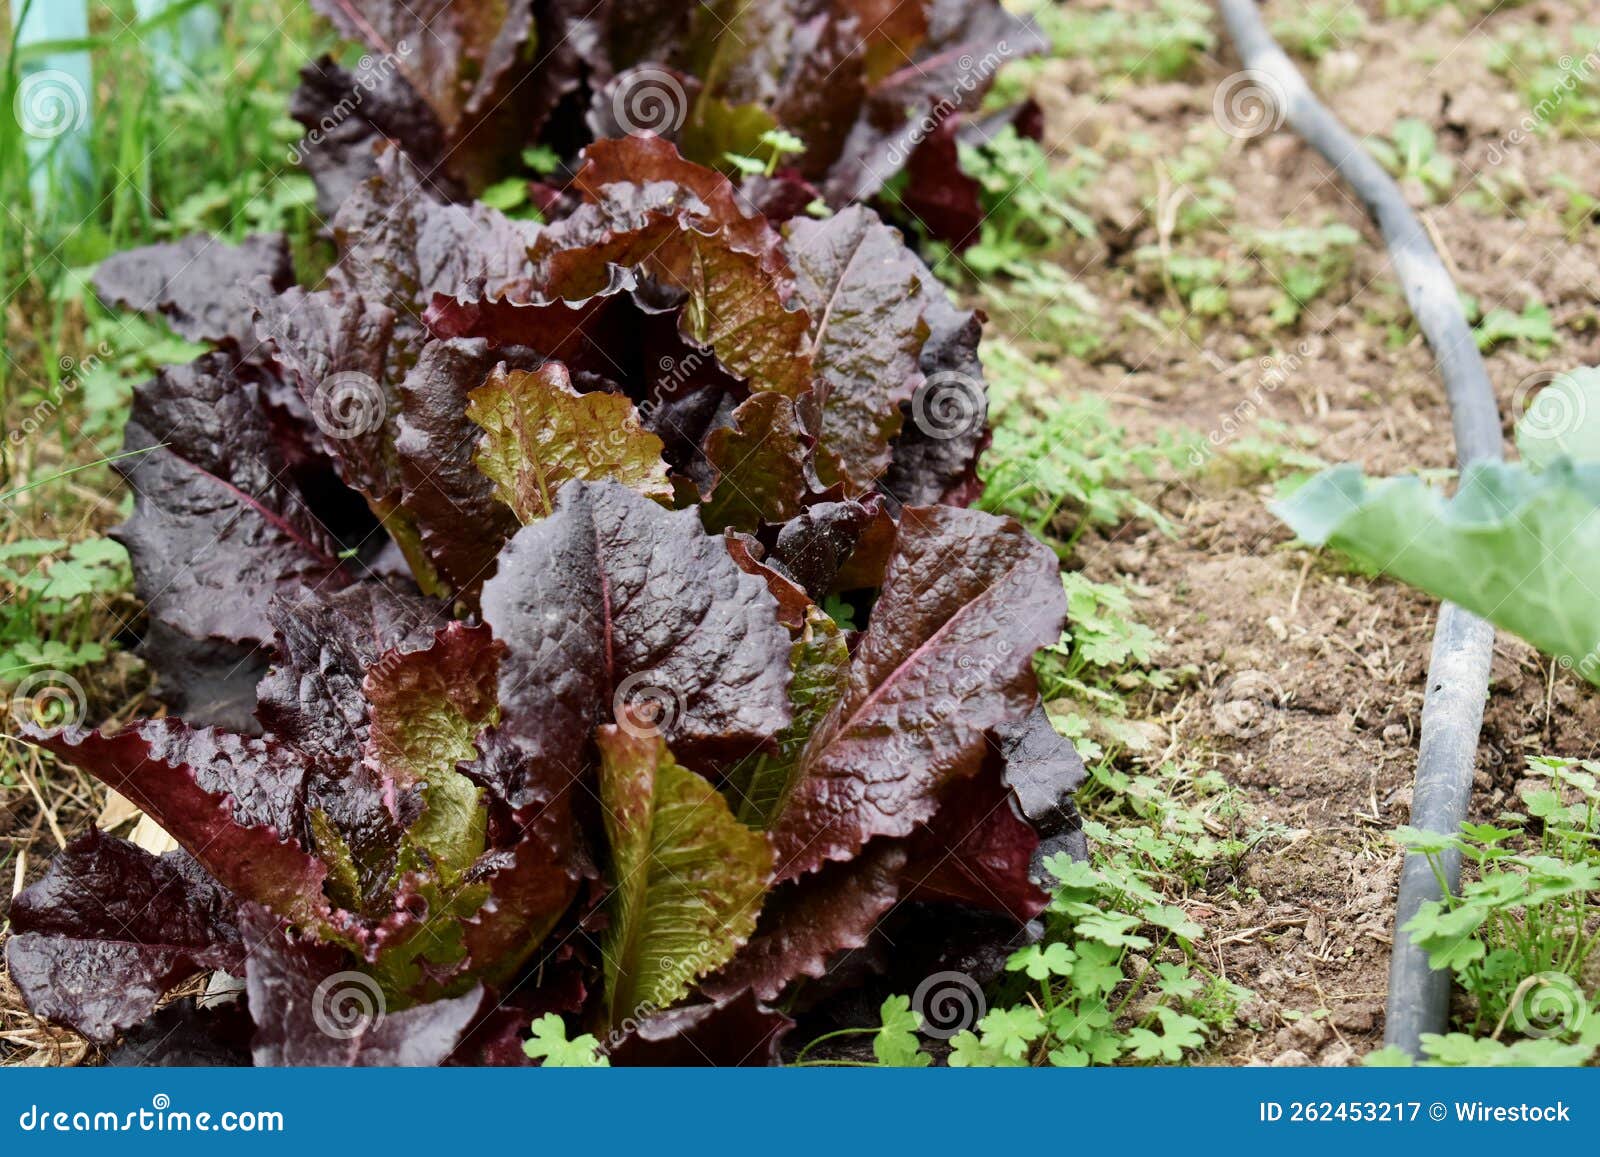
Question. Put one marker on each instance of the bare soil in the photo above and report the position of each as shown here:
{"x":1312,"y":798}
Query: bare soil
{"x":1311,"y":676}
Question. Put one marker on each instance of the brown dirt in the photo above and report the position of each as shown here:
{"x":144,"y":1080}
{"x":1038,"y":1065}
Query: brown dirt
{"x":1311,"y":677}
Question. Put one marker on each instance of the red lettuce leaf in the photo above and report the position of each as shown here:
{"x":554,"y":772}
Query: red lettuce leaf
{"x":217,"y":531}
{"x":313,"y":698}
{"x":317,"y":699}
{"x":334,"y":349}
{"x":188,"y":1034}
{"x":347,"y":114}
{"x":688,"y":878}
{"x":534,"y":880}
{"x":1043,"y":769}
{"x":683,"y":226}
{"x":815,"y":545}
{"x":200,"y":285}
{"x":400,"y":243}
{"x":793,"y":601}
{"x":861,"y":286}
{"x":978,"y":850}
{"x":738,"y":1032}
{"x":947,"y":655}
{"x":460,"y":525}
{"x":236,"y":804}
{"x":951,"y":72}
{"x":806,"y":923}
{"x":470,"y":60}
{"x":759,"y":463}
{"x":210,"y":683}
{"x":540,"y":434}
{"x":110,"y":929}
{"x":614,"y":602}
{"x":310,"y":1008}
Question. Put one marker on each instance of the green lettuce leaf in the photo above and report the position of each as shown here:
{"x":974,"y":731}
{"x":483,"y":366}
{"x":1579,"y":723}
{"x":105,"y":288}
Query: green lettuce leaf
{"x":689,"y":877}
{"x":540,"y":434}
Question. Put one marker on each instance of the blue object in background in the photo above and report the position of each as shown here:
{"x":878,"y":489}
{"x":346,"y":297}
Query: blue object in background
{"x":54,"y":103}
{"x":55,"y":92}
{"x":171,"y":48}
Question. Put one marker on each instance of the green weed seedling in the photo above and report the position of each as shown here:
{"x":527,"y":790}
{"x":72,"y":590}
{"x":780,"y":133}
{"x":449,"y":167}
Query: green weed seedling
{"x":1521,"y":938}
{"x":1315,"y":29}
{"x":1204,"y":200}
{"x":1165,"y":44}
{"x":1199,"y":281}
{"x":52,"y":591}
{"x":1305,"y":262}
{"x":1532,"y":327}
{"x":1117,"y":978}
{"x":1061,"y":464}
{"x":1412,"y":154}
{"x":1029,"y":199}
{"x":1582,"y":207}
{"x":1047,"y":306}
{"x":1556,"y":85}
